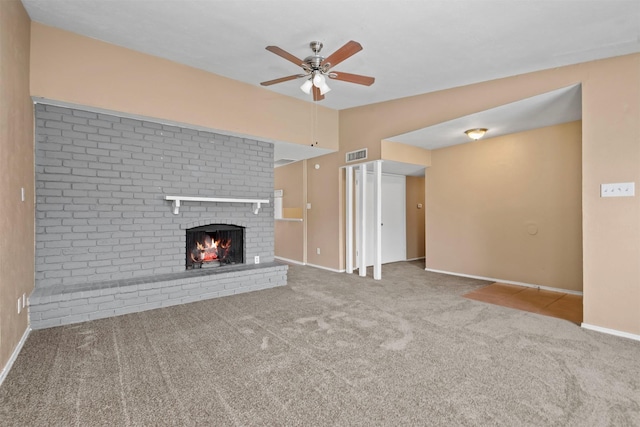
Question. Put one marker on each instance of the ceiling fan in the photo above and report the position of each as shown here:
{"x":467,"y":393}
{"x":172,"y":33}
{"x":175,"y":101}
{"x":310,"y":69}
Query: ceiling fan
{"x":316,"y":68}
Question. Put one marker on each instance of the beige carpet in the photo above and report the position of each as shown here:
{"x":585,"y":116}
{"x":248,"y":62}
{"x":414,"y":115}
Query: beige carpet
{"x":329,"y":349}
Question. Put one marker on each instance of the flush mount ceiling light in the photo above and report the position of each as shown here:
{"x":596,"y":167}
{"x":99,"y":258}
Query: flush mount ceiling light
{"x":476,"y":134}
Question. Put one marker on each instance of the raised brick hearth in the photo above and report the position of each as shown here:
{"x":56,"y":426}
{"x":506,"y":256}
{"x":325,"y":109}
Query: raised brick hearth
{"x":107,"y":241}
{"x":55,"y":306}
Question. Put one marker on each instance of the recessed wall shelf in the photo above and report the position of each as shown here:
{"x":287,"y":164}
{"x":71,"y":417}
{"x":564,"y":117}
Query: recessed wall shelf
{"x":177,"y":200}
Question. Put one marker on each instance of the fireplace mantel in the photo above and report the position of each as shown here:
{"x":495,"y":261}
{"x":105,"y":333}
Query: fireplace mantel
{"x":177,"y":200}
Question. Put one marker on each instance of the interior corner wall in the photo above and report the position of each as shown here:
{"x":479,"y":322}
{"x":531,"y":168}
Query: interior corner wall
{"x":415,"y":217}
{"x":16,"y":173}
{"x":509,"y":208}
{"x":289,"y":179}
{"x":290,"y":231}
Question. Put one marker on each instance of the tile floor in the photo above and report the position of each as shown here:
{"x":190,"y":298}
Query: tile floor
{"x":549,"y":303}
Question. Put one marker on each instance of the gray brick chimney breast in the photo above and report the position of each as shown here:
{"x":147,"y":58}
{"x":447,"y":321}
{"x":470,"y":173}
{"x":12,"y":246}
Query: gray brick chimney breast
{"x":100,"y":187}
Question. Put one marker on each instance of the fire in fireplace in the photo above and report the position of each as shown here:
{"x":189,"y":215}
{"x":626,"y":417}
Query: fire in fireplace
{"x":215,"y":245}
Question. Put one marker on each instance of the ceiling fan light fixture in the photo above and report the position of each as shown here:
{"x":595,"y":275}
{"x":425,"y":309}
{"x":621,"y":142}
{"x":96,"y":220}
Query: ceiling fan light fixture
{"x":318,"y":80}
{"x":324,"y":89}
{"x":306,"y":86}
{"x":476,"y":134}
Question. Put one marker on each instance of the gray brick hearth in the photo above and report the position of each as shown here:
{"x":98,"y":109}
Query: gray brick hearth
{"x":55,"y":306}
{"x":102,"y":221}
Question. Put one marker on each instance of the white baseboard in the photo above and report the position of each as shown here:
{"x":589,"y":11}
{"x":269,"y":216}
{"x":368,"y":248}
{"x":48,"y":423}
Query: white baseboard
{"x":307,"y":264}
{"x":326,"y":268}
{"x":510,"y":282}
{"x":14,"y":355}
{"x":611,"y":331}
{"x":290,"y":261}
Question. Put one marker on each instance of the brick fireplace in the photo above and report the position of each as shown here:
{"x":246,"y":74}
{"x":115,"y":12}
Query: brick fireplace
{"x":102,"y":220}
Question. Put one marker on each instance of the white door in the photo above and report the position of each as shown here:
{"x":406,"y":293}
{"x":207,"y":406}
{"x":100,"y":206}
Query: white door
{"x":394,"y":237}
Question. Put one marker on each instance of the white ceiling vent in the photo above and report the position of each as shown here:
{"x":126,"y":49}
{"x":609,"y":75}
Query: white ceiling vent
{"x":356,"y":155}
{"x":282,"y":162}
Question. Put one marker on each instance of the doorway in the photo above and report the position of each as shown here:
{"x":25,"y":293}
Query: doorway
{"x":393,"y":221}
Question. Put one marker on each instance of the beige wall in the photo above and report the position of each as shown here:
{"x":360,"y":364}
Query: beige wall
{"x":16,"y":172}
{"x":289,"y":240}
{"x":415,"y":217}
{"x":290,"y":179}
{"x":610,"y":153}
{"x":325,"y":218}
{"x":79,"y":70}
{"x":611,"y":227}
{"x":404,"y":153}
{"x":509,"y":208}
{"x":290,"y":236}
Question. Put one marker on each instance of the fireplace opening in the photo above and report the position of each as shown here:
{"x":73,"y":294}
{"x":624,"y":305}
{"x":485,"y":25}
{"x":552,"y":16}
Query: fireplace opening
{"x":215,"y":245}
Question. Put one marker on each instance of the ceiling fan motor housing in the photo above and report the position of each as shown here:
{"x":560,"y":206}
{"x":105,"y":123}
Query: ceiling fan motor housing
{"x":314,"y":62}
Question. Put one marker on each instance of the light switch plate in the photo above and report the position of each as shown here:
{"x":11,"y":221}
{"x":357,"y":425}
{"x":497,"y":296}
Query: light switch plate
{"x":618,"y":189}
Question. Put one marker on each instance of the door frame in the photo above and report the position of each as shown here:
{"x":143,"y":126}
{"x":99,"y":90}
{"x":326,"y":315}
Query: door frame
{"x":393,"y":218}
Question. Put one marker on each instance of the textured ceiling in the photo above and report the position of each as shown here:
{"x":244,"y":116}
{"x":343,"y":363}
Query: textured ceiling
{"x":410,"y":47}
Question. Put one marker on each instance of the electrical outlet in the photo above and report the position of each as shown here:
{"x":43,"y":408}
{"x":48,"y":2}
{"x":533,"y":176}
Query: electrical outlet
{"x":318,"y":251}
{"x":256,"y":259}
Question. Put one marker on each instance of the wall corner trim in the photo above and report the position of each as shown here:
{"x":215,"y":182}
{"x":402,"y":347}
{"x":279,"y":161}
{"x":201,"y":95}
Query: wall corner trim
{"x":610,"y":331}
{"x":14,"y":355}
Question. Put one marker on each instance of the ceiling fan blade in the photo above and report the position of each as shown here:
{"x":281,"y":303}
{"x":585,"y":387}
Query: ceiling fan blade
{"x":284,"y":54}
{"x":349,"y":49}
{"x":282,"y":79}
{"x":352,"y":78}
{"x":317,"y":96}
